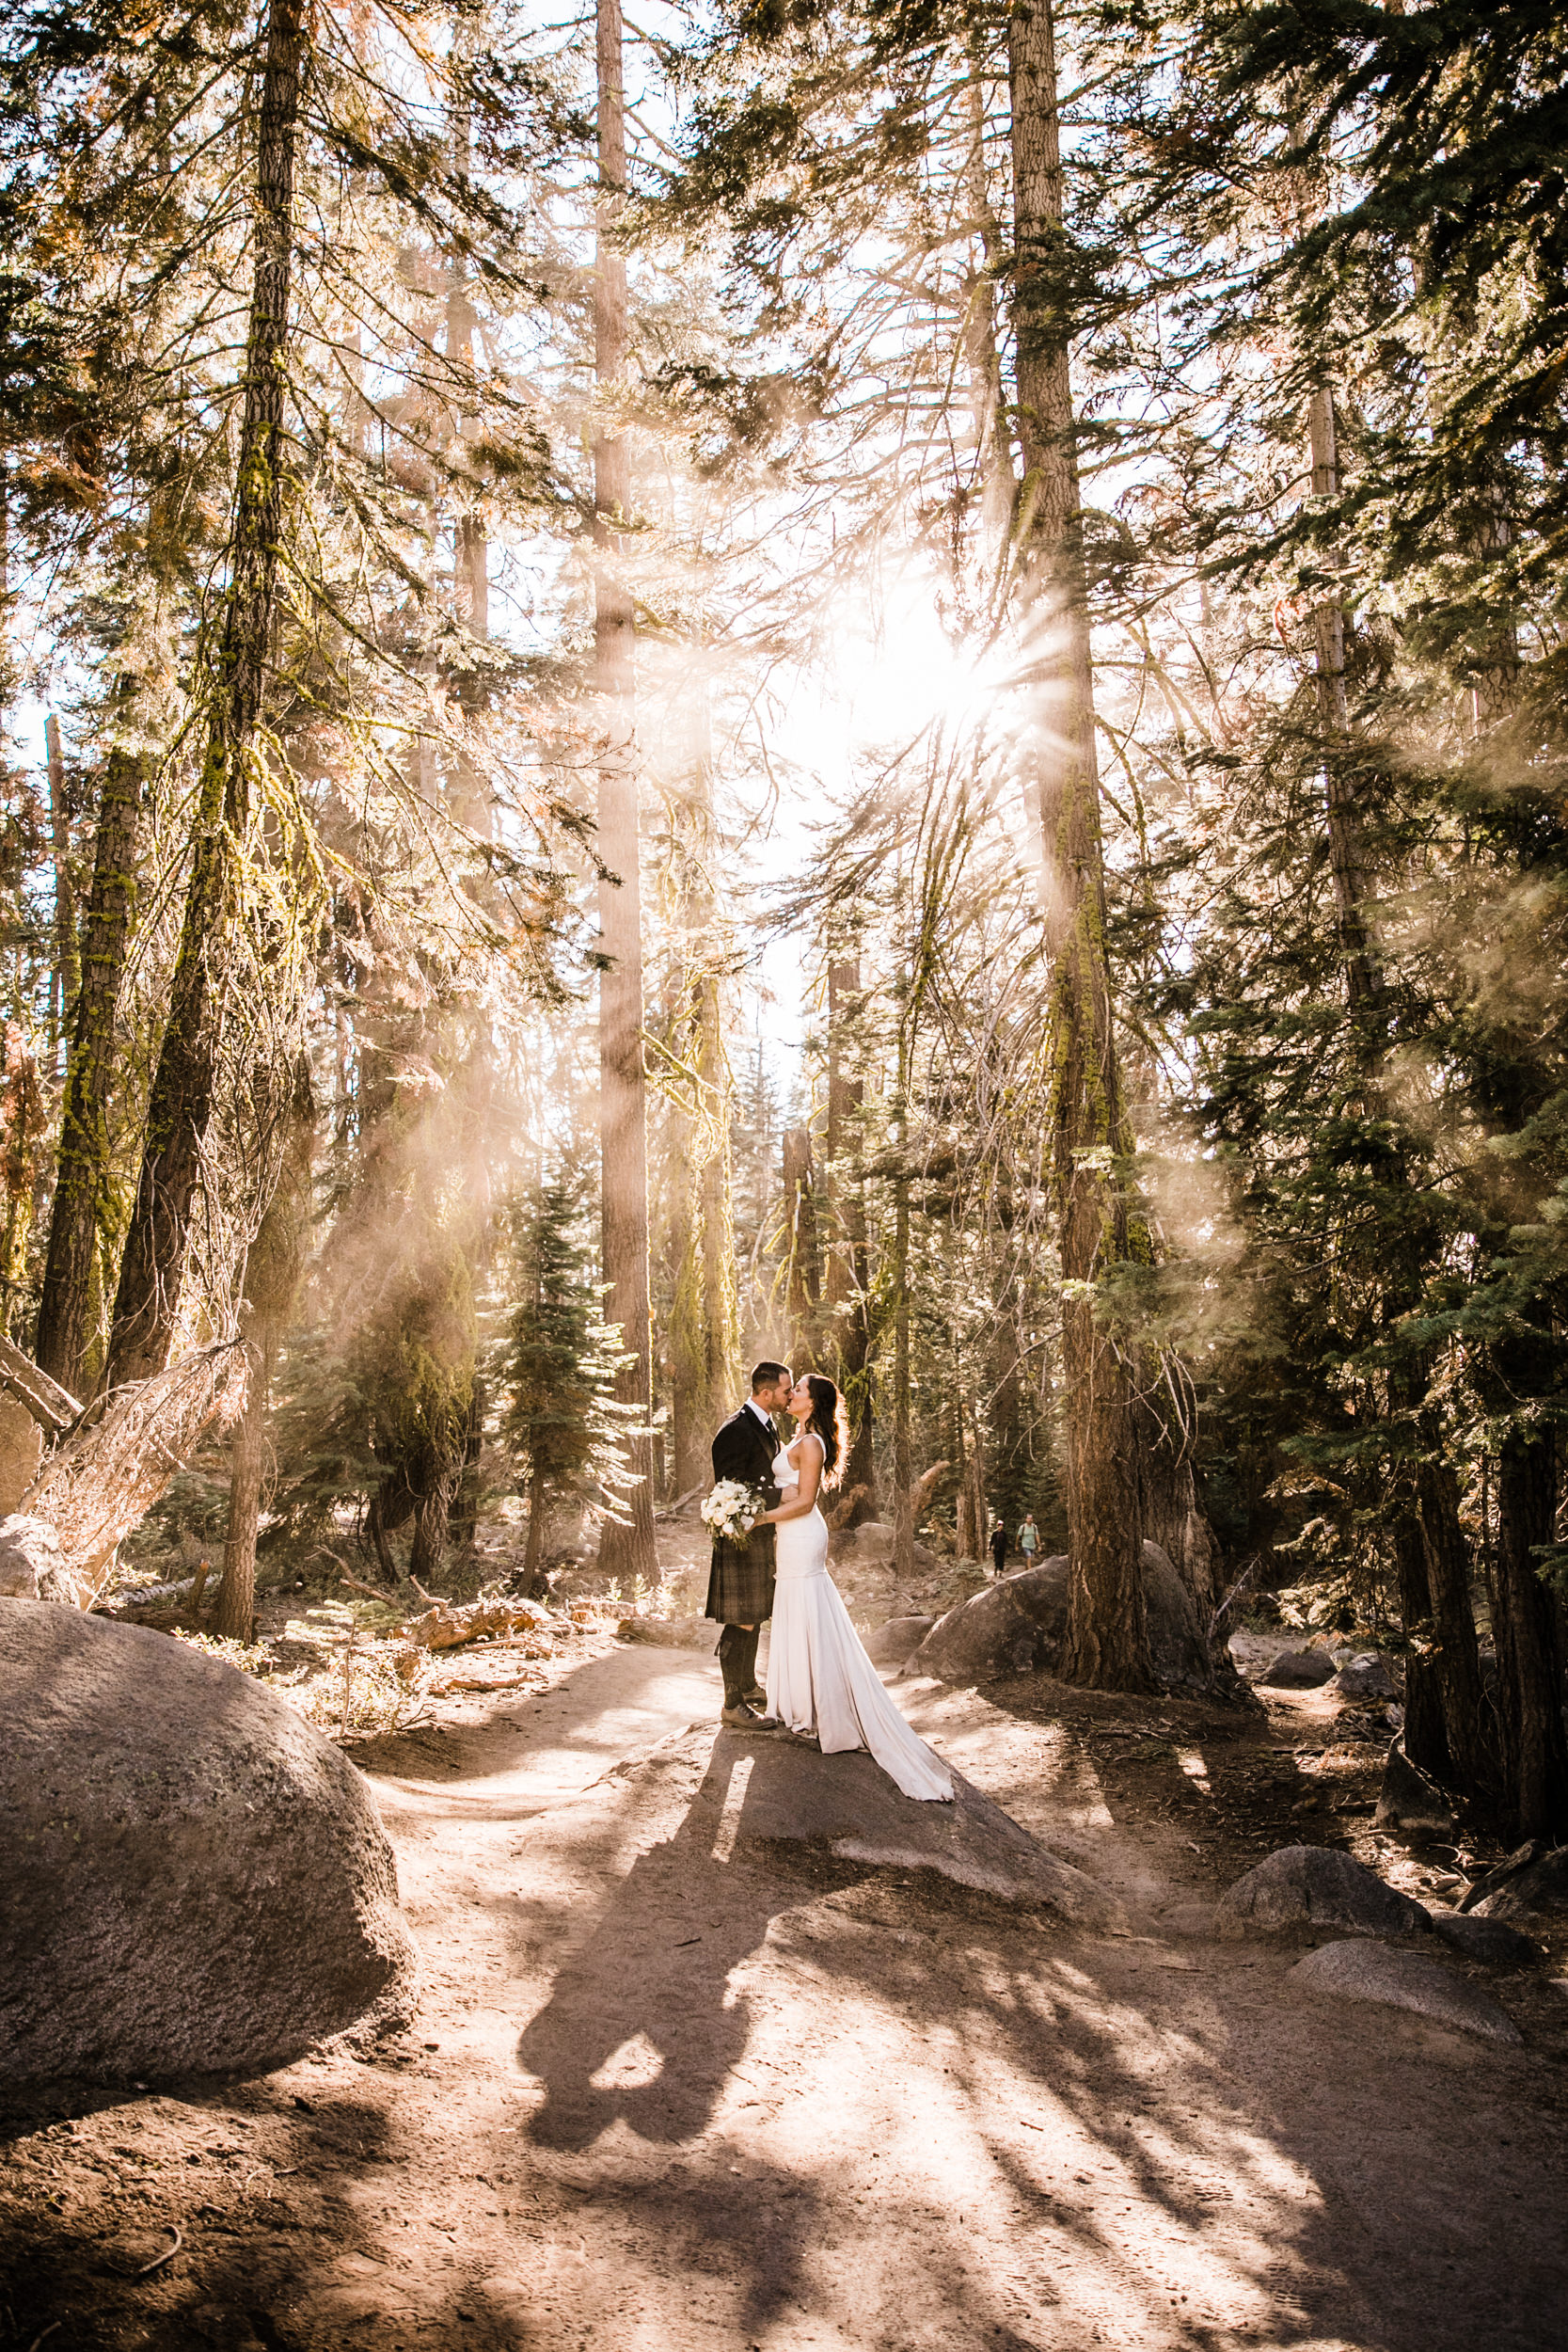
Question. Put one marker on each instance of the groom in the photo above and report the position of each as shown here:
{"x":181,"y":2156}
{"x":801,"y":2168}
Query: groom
{"x":740,"y":1584}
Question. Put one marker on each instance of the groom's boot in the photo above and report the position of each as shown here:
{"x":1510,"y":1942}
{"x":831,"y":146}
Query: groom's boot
{"x":751,"y":1691}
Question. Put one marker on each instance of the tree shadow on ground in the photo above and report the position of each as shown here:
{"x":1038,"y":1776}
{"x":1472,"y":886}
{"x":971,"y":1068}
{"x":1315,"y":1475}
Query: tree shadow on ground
{"x":1192,"y":2173}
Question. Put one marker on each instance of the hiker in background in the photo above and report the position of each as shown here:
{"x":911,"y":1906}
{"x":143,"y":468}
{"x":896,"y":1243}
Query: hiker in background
{"x":999,"y":1548}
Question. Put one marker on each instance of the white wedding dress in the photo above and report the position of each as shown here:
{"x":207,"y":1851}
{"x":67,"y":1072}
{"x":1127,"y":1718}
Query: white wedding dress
{"x":819,"y":1678}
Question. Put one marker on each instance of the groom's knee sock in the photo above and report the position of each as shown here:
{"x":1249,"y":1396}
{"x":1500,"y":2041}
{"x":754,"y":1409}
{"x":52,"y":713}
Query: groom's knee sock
{"x":732,"y":1643}
{"x":738,"y":1661}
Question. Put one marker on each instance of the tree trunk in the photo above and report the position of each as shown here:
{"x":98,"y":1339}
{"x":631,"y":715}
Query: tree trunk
{"x":234,"y":1610}
{"x":378,"y":1532}
{"x":1529,"y":1660}
{"x":996,"y":483}
{"x":151,"y":1269}
{"x":974,"y":1520}
{"x":429,"y":1546}
{"x":1426,"y":1738}
{"x":1108,"y":1636}
{"x":21,"y":1125}
{"x":1347,"y":856}
{"x":472,"y":552}
{"x":1346,"y":852}
{"x":803,"y":1285}
{"x":1445,"y":1730}
{"x":66,"y":976}
{"x":626,"y":1550}
{"x":1456,"y":1657}
{"x":273,"y":1266}
{"x":534,"y":1557}
{"x":721,"y":1338}
{"x":1171,"y":1514}
{"x":704,"y":1343}
{"x":690,"y":1425}
{"x":81,"y":1185}
{"x":463,"y":1514}
{"x":847,"y":1272}
{"x":903,"y":1454}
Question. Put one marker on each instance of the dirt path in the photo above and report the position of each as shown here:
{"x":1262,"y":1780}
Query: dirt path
{"x":669,"y":2088}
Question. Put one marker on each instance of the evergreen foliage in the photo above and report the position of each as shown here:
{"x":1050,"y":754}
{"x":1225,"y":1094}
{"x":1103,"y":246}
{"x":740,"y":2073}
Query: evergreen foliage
{"x":561,"y":1420}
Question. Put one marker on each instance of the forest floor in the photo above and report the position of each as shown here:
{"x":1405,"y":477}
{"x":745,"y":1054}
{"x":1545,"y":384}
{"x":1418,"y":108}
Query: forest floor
{"x":668,"y":2087}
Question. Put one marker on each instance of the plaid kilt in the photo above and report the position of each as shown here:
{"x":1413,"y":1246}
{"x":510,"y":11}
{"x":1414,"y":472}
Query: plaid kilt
{"x":740,"y":1583}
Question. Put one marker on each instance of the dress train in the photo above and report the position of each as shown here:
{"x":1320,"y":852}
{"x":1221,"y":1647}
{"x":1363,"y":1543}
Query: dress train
{"x":819,"y":1678}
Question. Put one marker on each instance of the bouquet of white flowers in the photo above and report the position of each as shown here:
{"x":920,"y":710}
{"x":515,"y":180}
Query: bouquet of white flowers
{"x":732,"y":1510}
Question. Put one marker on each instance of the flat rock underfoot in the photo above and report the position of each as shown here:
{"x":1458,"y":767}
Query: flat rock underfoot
{"x":674,"y":2086}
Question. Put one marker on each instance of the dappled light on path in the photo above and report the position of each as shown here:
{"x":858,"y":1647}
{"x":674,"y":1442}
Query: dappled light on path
{"x":1123,"y":2141}
{"x":675,"y":2086}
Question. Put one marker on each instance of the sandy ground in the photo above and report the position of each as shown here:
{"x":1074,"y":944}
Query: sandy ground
{"x":668,"y":2087}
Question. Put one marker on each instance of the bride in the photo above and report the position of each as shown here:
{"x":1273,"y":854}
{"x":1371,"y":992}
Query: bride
{"x":819,"y":1678}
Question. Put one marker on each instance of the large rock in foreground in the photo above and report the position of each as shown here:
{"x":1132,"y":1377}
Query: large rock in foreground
{"x":846,"y":1806}
{"x":1371,"y":1972}
{"x":192,"y":1880}
{"x":1316,"y":1887}
{"x":1019,"y":1626}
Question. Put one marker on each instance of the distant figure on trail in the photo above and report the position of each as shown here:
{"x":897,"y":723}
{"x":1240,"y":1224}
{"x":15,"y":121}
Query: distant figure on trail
{"x":1028,"y":1539}
{"x":999,"y":1546}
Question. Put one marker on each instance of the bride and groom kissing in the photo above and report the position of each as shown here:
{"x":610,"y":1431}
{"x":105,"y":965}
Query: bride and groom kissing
{"x":822,"y":1689}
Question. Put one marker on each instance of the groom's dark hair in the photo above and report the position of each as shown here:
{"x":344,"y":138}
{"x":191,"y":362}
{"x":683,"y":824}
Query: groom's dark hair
{"x":763,"y":1375}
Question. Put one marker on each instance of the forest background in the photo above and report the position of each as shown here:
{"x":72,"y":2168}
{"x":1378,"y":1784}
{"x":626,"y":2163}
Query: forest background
{"x":1057,"y":514}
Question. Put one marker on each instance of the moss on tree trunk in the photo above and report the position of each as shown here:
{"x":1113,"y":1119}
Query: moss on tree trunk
{"x":82,"y":1178}
{"x":148,"y":1302}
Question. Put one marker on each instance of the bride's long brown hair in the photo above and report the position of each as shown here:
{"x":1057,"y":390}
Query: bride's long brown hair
{"x":832,"y":1425}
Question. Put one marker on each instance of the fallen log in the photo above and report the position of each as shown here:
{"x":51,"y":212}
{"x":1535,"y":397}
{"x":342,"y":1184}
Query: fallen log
{"x":446,"y":1625}
{"x":842,"y":1510}
{"x":53,"y":1408}
{"x":105,"y":1477}
{"x":668,"y":1633}
{"x":925,"y":1488}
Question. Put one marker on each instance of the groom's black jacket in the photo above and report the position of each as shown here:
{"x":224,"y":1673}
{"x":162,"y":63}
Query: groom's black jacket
{"x":740,"y":1584}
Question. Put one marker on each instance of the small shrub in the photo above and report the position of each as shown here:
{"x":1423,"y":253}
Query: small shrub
{"x":350,"y":1690}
